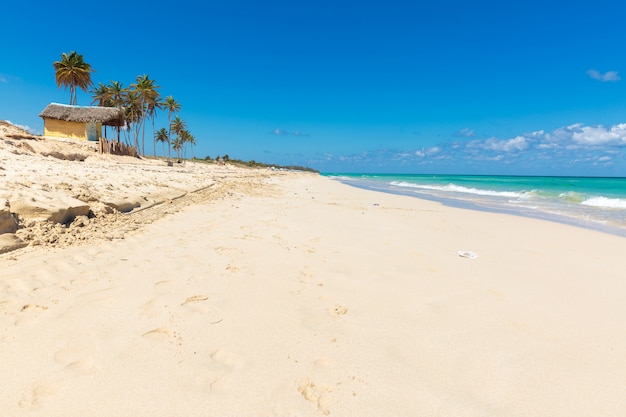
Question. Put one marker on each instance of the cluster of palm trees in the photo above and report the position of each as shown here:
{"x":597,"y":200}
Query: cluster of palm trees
{"x":140,"y":101}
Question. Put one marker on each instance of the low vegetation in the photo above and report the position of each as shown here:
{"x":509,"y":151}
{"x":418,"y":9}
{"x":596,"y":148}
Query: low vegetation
{"x":254,"y":164}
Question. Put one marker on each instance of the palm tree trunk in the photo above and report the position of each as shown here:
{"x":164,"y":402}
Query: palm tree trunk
{"x":153,"y":136}
{"x":143,"y":132}
{"x":169,"y":137}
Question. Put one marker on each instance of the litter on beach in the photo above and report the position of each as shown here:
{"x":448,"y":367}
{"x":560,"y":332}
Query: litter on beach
{"x":467,"y":254}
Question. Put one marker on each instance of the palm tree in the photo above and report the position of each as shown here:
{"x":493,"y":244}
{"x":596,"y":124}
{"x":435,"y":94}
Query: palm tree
{"x":148,"y":93}
{"x":118,"y":99}
{"x":153,"y":106}
{"x":177,"y":145}
{"x":191,"y":140}
{"x":178,"y":126}
{"x":117,"y":94}
{"x":187,"y":138}
{"x":71,"y":72}
{"x":162,"y":135}
{"x":102,"y":97}
{"x":133,"y":114}
{"x":172,"y":106}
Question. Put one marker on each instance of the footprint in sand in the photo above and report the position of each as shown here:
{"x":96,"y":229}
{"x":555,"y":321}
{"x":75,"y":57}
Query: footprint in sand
{"x":159,"y":334}
{"x":224,"y":249}
{"x":30,"y":313}
{"x":337,"y":311}
{"x":35,"y":395}
{"x":217,"y":371}
{"x":228,"y":359}
{"x":198,"y":304}
{"x":306,"y":274}
{"x":163,"y":287}
{"x":324,"y":363}
{"x":85,"y":366}
{"x":154,"y":307}
{"x":77,"y":360}
{"x":195,"y":299}
{"x":319,"y":395}
{"x":99,"y":297}
{"x":27,"y":307}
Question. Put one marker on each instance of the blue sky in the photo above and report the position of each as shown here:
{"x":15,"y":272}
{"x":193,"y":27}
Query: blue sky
{"x":480,"y":87}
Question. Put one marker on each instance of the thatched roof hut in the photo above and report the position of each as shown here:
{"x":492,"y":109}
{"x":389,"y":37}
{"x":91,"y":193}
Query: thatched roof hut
{"x":109,"y":116}
{"x":77,"y":122}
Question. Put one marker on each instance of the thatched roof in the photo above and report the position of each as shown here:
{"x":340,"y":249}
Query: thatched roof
{"x":110,"y":116}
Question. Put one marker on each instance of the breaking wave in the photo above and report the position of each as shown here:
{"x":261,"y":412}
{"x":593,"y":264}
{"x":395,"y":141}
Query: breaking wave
{"x":466,"y":190}
{"x":604,"y":202}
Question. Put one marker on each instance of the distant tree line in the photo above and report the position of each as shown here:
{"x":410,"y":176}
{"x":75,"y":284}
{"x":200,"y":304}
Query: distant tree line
{"x":254,"y":164}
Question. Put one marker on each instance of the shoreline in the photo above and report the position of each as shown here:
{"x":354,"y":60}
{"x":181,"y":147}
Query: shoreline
{"x":595,"y":225}
{"x":299,"y":295}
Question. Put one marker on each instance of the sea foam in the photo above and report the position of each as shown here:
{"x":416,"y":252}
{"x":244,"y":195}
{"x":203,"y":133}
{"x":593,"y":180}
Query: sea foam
{"x":466,"y":190}
{"x":616,"y":203}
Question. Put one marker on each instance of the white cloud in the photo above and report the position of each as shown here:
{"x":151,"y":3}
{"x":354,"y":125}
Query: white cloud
{"x":517,"y":144}
{"x":547,"y":146}
{"x":283,"y":132}
{"x":607,"y":76}
{"x":466,"y":133}
{"x":577,"y":135}
{"x":572,"y":137}
{"x":3,"y":80}
{"x":422,"y":153}
{"x":599,"y":135}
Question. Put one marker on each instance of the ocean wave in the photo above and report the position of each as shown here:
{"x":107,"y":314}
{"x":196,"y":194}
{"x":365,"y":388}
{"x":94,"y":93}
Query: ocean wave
{"x":605,"y":202}
{"x":467,"y":190}
{"x":339,"y":177}
{"x":573,"y":197}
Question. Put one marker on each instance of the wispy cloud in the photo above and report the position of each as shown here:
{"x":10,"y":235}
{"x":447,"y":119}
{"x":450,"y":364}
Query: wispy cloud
{"x":8,"y":78}
{"x":280,"y":132}
{"x":283,"y":132}
{"x":466,"y":133}
{"x":607,"y":76}
{"x":423,"y":153}
{"x":516,"y":144}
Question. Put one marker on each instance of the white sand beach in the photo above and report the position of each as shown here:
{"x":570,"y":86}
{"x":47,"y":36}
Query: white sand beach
{"x":228,"y":291}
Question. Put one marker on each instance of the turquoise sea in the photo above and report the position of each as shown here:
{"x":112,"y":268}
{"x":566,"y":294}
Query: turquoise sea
{"x":595,"y":203}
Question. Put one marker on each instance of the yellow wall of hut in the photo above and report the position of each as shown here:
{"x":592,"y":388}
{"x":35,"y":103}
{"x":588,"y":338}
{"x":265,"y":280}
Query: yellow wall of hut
{"x":70,"y":130}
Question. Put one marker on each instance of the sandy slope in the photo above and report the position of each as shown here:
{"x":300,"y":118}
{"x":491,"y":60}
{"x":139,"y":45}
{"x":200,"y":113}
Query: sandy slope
{"x":59,"y":193}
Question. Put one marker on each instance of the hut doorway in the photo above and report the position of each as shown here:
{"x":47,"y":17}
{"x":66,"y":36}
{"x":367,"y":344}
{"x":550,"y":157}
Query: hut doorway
{"x":92,"y":132}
